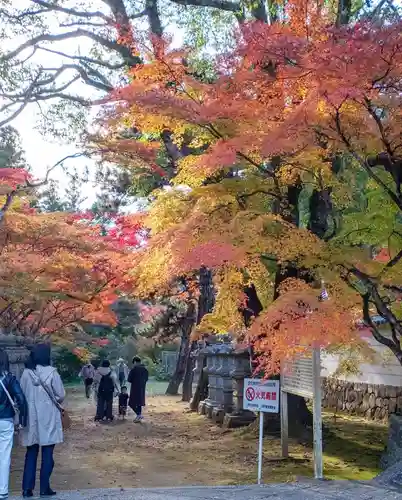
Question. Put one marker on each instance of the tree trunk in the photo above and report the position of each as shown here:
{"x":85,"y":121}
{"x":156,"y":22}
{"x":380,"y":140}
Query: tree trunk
{"x":188,"y":377}
{"x":187,"y":325}
{"x":206,"y":303}
{"x":206,"y":300}
{"x":201,"y":391}
{"x":180,"y":370}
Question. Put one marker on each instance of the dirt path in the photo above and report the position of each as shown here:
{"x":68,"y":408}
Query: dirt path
{"x":157,"y":452}
{"x":171,"y":448}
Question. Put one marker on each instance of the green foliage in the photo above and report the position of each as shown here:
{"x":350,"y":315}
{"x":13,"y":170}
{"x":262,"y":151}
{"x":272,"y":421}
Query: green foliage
{"x":49,"y":199}
{"x":113,"y":350}
{"x":63,"y":120}
{"x":377,"y":223}
{"x":11,"y":153}
{"x":151,"y":366}
{"x":52,"y":199}
{"x":67,"y":363}
{"x":206,"y":30}
{"x":73,"y":192}
{"x":161,"y":375}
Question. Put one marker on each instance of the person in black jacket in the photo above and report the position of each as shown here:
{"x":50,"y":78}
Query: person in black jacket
{"x":138,"y":378}
{"x":11,"y":396}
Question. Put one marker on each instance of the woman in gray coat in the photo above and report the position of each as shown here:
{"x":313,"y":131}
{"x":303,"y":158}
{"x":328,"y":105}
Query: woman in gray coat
{"x":44,"y":419}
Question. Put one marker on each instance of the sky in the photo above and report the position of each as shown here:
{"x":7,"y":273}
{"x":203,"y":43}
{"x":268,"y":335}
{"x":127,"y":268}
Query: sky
{"x":43,"y":152}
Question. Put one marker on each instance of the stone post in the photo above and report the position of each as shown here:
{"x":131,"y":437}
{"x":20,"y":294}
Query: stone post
{"x":228,"y":384}
{"x":211,"y":402}
{"x":204,"y":405}
{"x":17,"y":350}
{"x":198,"y":357}
{"x":218,"y":380}
{"x":241,"y":370}
{"x":225,"y":386}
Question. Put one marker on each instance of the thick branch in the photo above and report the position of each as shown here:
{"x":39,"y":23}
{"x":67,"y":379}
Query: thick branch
{"x":153,"y":17}
{"x":344,"y":12}
{"x":9,"y":199}
{"x":394,"y":260}
{"x":47,"y":37}
{"x":375,"y":331}
{"x":119,"y":11}
{"x":216,"y":4}
{"x":259,"y":11}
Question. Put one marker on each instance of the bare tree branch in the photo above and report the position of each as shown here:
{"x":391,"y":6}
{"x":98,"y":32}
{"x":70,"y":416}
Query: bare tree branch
{"x":83,"y":23}
{"x":13,"y":115}
{"x":98,"y":62}
{"x":73,"y":12}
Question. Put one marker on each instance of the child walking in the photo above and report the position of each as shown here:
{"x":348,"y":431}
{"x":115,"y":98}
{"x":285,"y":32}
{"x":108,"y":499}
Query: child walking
{"x":123,"y":402}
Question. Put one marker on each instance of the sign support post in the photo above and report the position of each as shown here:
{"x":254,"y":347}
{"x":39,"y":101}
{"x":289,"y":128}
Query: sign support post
{"x":317,"y":417}
{"x":284,"y":425}
{"x":260,"y":443}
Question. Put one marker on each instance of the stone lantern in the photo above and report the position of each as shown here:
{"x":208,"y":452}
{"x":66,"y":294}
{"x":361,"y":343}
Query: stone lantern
{"x":17,"y":348}
{"x":240,"y":371}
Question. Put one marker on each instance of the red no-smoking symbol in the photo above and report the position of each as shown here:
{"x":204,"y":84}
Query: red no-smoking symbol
{"x":250,"y":393}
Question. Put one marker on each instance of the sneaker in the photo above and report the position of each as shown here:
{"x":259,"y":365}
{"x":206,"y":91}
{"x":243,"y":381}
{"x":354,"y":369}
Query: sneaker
{"x":27,"y":494}
{"x":140,"y":418}
{"x":48,"y":493}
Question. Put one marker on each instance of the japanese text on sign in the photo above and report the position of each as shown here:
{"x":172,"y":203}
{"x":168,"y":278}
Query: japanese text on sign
{"x":261,"y":395}
{"x":297,"y":376}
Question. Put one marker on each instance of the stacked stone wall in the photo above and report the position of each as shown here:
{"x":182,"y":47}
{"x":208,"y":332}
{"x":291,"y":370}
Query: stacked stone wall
{"x":374,"y":402}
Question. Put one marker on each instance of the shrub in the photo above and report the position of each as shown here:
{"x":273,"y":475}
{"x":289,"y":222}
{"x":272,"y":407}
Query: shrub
{"x":67,"y":363}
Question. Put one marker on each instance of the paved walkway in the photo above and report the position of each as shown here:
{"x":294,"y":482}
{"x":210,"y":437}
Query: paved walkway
{"x":336,"y":490}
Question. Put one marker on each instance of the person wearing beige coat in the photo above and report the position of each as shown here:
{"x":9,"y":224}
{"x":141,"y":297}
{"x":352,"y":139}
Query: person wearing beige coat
{"x":44,"y":427}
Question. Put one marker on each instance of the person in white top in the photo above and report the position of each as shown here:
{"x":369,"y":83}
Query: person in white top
{"x":122,"y":371}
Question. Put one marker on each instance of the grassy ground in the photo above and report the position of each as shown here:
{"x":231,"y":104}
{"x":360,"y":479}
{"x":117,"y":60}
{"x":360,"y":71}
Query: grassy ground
{"x":174,"y":447}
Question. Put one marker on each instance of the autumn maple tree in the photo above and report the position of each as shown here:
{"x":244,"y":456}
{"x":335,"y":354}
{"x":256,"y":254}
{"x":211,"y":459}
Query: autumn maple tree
{"x":55,"y":271}
{"x":282,"y":172}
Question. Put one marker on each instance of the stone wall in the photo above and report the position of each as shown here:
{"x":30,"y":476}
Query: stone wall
{"x":374,"y":402}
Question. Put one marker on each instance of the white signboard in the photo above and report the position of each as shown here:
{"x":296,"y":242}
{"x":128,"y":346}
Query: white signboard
{"x":297,"y":377}
{"x":261,"y":395}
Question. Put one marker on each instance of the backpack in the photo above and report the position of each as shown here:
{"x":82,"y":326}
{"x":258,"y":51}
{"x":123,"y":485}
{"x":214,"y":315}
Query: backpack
{"x":106,"y":385}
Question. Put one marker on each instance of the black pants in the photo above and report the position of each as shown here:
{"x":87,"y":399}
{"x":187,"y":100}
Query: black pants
{"x":46,"y":469}
{"x":104,"y":407}
{"x":88,"y":384}
{"x":138,"y":410}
